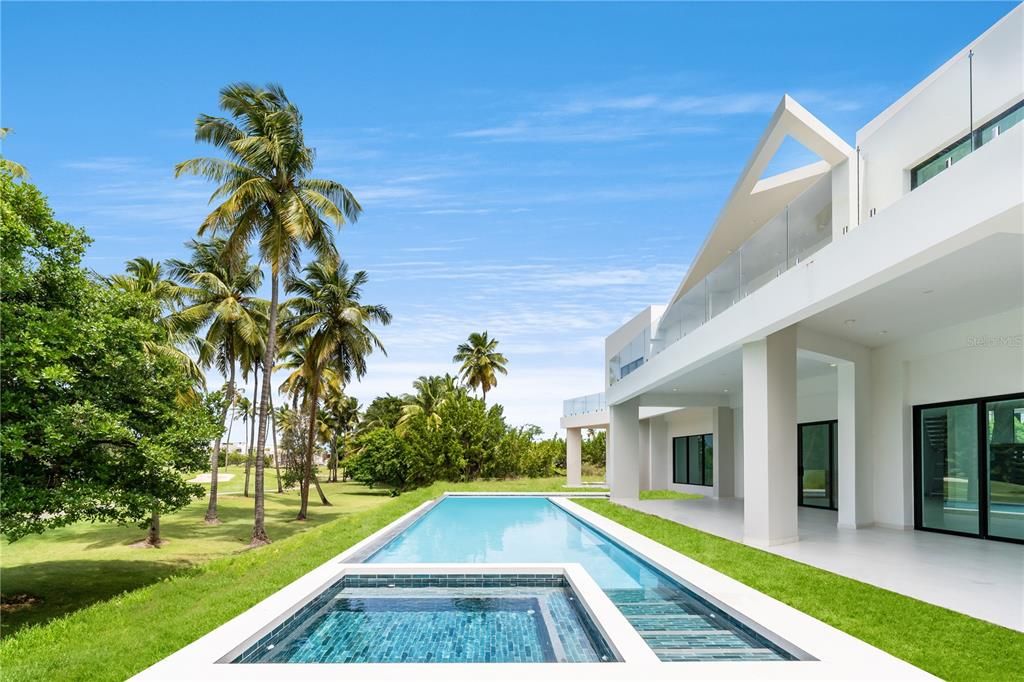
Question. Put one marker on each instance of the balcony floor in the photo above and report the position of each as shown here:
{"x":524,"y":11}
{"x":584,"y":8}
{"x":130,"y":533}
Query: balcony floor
{"x":981,"y":578}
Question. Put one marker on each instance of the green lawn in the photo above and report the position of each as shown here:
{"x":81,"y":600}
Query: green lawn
{"x":945,"y":643}
{"x":667,"y":495}
{"x":85,"y":563}
{"x":147,"y":603}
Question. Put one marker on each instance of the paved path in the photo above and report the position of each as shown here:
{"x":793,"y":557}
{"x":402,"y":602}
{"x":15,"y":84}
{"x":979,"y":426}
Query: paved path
{"x":206,"y":478}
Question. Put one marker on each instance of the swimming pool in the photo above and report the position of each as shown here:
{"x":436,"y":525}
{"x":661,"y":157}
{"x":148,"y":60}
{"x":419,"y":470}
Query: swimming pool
{"x":676,"y":623}
{"x":475,"y":618}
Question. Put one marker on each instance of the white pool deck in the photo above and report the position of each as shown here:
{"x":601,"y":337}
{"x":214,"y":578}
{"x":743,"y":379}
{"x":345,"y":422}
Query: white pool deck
{"x":981,"y":578}
{"x":829,"y":653}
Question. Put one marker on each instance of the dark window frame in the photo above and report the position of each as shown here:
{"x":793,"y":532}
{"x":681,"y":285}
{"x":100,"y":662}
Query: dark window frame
{"x":832,"y":483}
{"x":703,"y":439}
{"x":977,"y":142}
{"x":983,"y":492}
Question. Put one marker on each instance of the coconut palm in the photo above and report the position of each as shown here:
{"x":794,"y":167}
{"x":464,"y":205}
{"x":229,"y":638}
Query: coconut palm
{"x":480,"y":362}
{"x":339,"y":417}
{"x":430,"y":394}
{"x":265,"y":194}
{"x":221,"y":291}
{"x":15,"y":169}
{"x":328,"y":316}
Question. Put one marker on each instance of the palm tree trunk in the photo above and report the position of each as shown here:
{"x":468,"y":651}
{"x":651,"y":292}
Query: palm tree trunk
{"x":273,"y":432}
{"x":485,"y":395}
{"x":320,"y":491}
{"x":211,"y":508}
{"x":307,"y":472}
{"x":259,"y":529}
{"x":153,"y":535}
{"x":252,"y":436}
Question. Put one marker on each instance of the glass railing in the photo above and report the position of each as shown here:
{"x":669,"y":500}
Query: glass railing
{"x":584,"y":404}
{"x":801,"y":229}
{"x":630,"y":358}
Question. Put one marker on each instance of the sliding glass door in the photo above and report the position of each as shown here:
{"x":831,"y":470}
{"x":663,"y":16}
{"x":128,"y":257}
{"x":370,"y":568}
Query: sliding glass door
{"x":816,"y":452}
{"x":969,"y":467}
{"x":1004,"y":441}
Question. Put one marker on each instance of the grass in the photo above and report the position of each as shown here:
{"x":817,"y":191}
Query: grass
{"x":668,"y":495}
{"x":69,"y":568}
{"x":116,"y":638}
{"x":945,"y":643}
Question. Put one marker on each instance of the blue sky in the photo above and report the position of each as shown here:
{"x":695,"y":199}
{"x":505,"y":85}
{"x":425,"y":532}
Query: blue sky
{"x":542,"y":171}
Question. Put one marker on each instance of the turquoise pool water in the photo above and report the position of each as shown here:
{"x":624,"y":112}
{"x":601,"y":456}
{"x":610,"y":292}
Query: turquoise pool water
{"x":436,"y":619}
{"x":675,"y":623}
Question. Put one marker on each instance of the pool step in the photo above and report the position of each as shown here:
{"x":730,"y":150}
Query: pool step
{"x":671,"y":621}
{"x":698,"y":654}
{"x":698,"y":641}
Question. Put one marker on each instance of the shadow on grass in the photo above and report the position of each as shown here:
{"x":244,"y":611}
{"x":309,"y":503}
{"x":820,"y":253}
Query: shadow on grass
{"x":66,"y":586}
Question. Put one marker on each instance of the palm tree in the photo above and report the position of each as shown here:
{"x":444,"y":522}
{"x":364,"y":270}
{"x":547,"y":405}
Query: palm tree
{"x":221,"y":292}
{"x":15,"y":169}
{"x":430,"y":394}
{"x":328,"y":316}
{"x":339,"y":417}
{"x":266,"y":194}
{"x":481,"y":363}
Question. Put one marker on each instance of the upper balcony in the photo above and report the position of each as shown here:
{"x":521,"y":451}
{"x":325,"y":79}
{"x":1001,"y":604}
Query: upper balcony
{"x":800,"y":230}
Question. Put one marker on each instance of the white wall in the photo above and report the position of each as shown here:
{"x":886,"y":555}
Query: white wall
{"x":937,"y":112}
{"x":970,"y":360}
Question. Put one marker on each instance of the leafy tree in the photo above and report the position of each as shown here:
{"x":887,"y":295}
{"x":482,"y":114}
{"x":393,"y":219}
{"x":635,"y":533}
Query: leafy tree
{"x":594,"y":447}
{"x":265,"y":194}
{"x":92,"y":425}
{"x":16,"y":170}
{"x":480,"y":362}
{"x":383,"y":461}
{"x":384,"y":412}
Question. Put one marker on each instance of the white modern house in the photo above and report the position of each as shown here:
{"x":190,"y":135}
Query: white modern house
{"x":846,"y":350}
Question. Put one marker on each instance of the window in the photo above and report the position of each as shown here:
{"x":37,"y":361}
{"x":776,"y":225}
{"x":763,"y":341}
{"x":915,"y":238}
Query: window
{"x":927,"y":170}
{"x":693,"y":461}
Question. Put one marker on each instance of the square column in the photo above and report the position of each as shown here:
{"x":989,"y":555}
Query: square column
{"x":769,"y":440}
{"x":856,"y":493}
{"x":624,"y":457}
{"x":645,"y":454}
{"x":724,"y":453}
{"x":574,"y":457}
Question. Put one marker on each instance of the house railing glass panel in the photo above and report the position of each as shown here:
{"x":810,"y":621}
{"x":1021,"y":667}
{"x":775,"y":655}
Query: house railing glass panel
{"x":630,"y":358}
{"x":584,"y":404}
{"x":801,"y":229}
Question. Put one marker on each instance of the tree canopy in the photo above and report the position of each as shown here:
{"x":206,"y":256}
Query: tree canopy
{"x":94,"y":427}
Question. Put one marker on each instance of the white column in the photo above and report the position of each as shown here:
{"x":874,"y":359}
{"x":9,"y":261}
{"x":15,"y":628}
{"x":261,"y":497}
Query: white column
{"x":574,"y":457}
{"x":855,"y":500}
{"x":769,"y":440}
{"x":645,"y":454}
{"x":661,"y":458}
{"x":724,"y":459}
{"x":624,"y":464}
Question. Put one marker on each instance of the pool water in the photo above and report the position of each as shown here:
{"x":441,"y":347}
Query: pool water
{"x":426,"y":619}
{"x":676,"y":623}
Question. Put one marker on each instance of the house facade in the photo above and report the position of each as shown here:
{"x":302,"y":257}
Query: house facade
{"x":849,"y":335}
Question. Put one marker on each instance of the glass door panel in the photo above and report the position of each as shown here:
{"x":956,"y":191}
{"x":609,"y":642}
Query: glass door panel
{"x":817,"y":464}
{"x":949,"y":468}
{"x":1005,"y":445}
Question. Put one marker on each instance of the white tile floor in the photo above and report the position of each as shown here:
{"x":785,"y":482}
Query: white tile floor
{"x":981,"y":578}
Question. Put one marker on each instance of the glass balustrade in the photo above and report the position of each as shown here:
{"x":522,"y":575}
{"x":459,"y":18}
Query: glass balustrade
{"x":800,"y":230}
{"x":584,"y":404}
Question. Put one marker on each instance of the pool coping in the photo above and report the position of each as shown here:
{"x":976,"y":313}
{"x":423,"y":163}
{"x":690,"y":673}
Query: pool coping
{"x":839,"y":656}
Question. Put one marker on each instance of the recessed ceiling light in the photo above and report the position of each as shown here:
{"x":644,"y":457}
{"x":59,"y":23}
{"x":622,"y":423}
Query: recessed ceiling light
{"x":725,"y":390}
{"x":675,"y":389}
{"x":831,"y":364}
